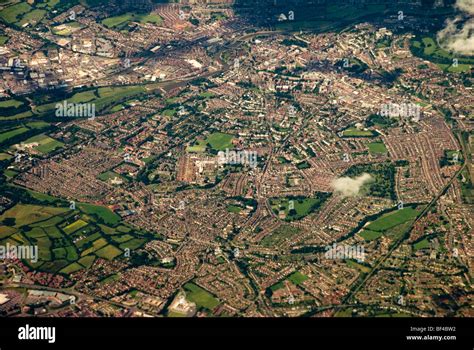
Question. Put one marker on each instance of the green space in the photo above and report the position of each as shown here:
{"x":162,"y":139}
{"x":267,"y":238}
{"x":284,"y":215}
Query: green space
{"x":3,"y":40}
{"x":392,"y":219}
{"x":45,"y":143}
{"x":10,"y":104}
{"x":122,"y":21}
{"x":32,"y":17}
{"x":297,"y":278}
{"x":296,"y":208}
{"x":377,"y":148}
{"x":75,"y":226}
{"x":427,"y":48}
{"x":66,"y":29}
{"x":5,"y":136}
{"x":280,"y":235}
{"x":104,"y":98}
{"x":358,"y":266}
{"x":369,"y":235}
{"x":234,"y":209}
{"x":14,"y":13}
{"x":383,"y":176}
{"x":198,"y":147}
{"x":201,"y":297}
{"x":102,"y":213}
{"x":423,"y":244}
{"x":354,"y":132}
{"x":110,"y":175}
{"x":220,"y":141}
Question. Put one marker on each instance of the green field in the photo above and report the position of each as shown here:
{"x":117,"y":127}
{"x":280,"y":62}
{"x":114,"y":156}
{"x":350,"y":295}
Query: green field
{"x":46,"y":144}
{"x":120,"y":22}
{"x":301,"y":206}
{"x":390,"y":220}
{"x":428,"y":48}
{"x":220,"y":141}
{"x":279,"y":236}
{"x":13,"y":13}
{"x":423,"y":244}
{"x":108,"y":252}
{"x":201,"y":297}
{"x":12,"y":133}
{"x":377,"y":148}
{"x":102,"y":213}
{"x":103,"y":98}
{"x":32,"y":17}
{"x":26,"y":214}
{"x":369,"y":235}
{"x":10,"y":103}
{"x":3,"y":40}
{"x":198,"y":147}
{"x":354,"y":132}
{"x":297,"y":278}
{"x":75,"y":226}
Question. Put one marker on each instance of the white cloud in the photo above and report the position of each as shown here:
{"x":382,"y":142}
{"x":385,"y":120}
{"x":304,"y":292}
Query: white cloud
{"x":458,"y":34}
{"x":350,"y":187}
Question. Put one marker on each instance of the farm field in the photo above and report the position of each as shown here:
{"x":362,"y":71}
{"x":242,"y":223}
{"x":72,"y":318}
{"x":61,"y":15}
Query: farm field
{"x":68,"y":240}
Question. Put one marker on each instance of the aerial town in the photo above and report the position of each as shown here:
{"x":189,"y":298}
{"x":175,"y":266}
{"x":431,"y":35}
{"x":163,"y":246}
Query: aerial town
{"x":222,"y":158}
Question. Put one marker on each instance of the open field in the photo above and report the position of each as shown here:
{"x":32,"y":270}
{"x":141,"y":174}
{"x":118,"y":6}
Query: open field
{"x":201,"y":297}
{"x":392,"y":219}
{"x":120,"y":22}
{"x":220,"y":141}
{"x":377,"y":148}
{"x":45,"y":143}
{"x":296,"y":208}
{"x":13,"y":13}
{"x":354,"y":132}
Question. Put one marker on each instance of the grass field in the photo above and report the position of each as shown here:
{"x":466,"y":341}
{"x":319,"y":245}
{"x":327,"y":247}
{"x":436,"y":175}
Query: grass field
{"x":46,"y":144}
{"x":354,"y":132}
{"x":220,"y":141}
{"x":103,"y":98}
{"x":302,"y":206}
{"x":3,"y":39}
{"x":279,"y":236}
{"x":369,"y":235}
{"x":297,"y":278}
{"x":76,"y":225}
{"x":109,"y":252}
{"x":12,"y":133}
{"x":32,"y":17}
{"x":103,"y":213}
{"x":423,"y":244}
{"x":26,"y":214}
{"x":13,"y":13}
{"x":198,"y":147}
{"x":10,"y":103}
{"x":120,"y":22}
{"x":390,"y":220}
{"x":428,"y":48}
{"x":377,"y":148}
{"x":201,"y":297}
